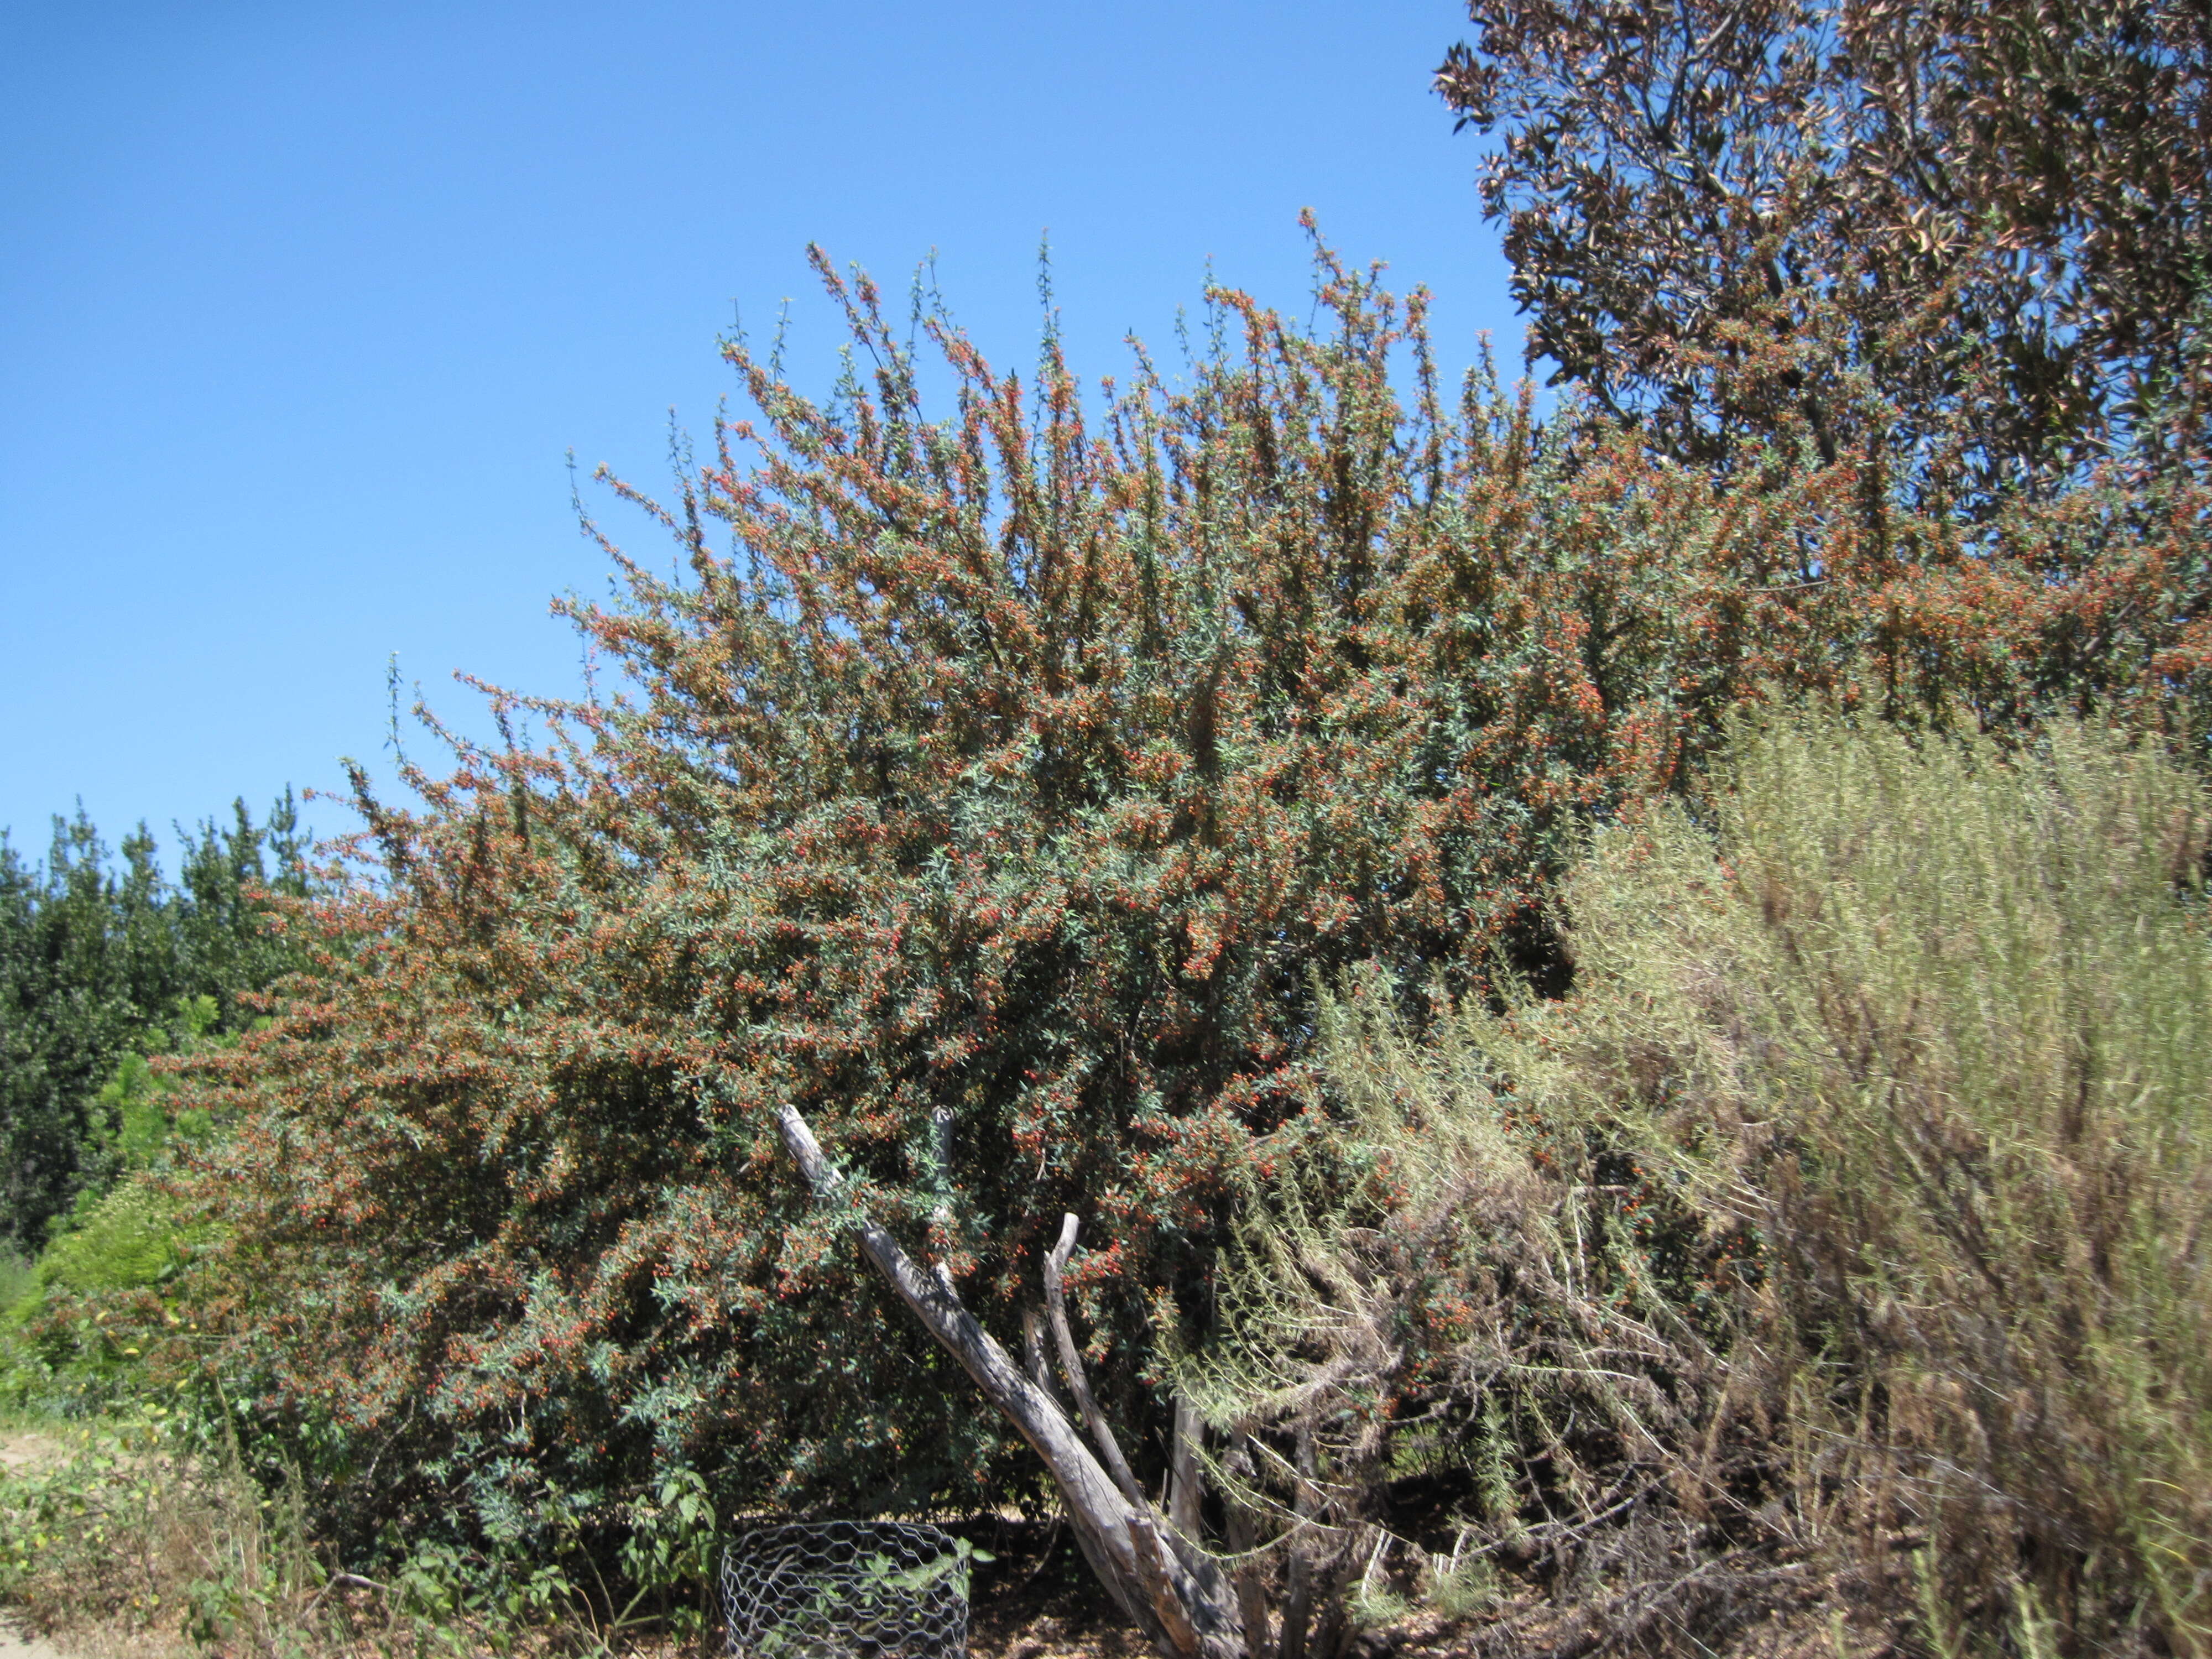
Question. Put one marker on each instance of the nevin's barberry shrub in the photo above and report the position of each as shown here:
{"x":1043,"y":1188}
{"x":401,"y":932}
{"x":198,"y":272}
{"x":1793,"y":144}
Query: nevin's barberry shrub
{"x":995,"y":786}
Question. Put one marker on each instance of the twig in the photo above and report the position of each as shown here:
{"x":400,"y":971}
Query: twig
{"x":345,"y":1580}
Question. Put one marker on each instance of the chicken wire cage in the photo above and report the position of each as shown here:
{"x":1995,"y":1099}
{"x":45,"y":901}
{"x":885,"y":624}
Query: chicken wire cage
{"x":846,"y":1589}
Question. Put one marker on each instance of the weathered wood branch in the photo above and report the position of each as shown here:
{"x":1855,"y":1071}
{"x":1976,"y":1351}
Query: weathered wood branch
{"x":1072,"y":1366}
{"x":1033,"y":1347}
{"x":1183,"y":1468}
{"x":1178,"y":1597}
{"x":1244,"y":1541}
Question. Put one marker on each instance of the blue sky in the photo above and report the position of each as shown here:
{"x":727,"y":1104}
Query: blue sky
{"x":302,"y":307}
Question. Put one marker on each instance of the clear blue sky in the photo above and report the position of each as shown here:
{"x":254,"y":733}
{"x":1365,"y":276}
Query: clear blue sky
{"x":303,"y":306}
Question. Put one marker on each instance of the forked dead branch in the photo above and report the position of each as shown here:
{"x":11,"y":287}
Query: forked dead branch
{"x":1168,"y":1586}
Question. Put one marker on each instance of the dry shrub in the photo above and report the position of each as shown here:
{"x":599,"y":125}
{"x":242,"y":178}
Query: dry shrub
{"x":1935,"y":1019}
{"x":1446,"y":1339}
{"x":1841,"y":1235}
{"x":124,"y":1541}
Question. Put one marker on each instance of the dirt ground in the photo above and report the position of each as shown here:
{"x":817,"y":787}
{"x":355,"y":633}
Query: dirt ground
{"x":13,"y":1646}
{"x":26,"y":1449}
{"x":1038,"y":1601}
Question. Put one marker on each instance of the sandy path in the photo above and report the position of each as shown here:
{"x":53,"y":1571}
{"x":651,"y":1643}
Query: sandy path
{"x":27,"y":1448}
{"x":13,"y":1645}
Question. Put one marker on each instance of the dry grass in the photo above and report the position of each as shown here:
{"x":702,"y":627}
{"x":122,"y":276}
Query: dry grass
{"x":116,"y":1544}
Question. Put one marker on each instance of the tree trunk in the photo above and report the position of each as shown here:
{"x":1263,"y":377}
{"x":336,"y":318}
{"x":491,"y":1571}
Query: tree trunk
{"x":1071,"y":1363}
{"x":1297,"y":1600}
{"x":1183,"y":1468}
{"x":1178,"y":1597}
{"x":1243,"y":1539}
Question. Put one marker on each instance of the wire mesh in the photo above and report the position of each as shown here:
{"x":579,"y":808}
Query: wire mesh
{"x":846,"y":1589}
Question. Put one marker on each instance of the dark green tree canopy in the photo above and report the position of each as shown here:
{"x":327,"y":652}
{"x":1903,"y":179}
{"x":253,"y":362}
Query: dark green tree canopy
{"x":1968,"y":237}
{"x":98,"y":959}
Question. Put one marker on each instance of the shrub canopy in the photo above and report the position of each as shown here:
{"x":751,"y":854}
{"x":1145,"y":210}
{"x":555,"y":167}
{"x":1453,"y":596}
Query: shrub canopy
{"x":996,"y":787}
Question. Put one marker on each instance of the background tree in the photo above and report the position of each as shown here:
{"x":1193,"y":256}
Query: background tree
{"x":1963,"y":240}
{"x":97,"y":961}
{"x":85,"y":965}
{"x":220,"y":910}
